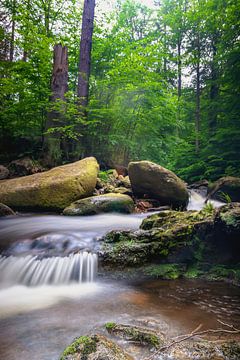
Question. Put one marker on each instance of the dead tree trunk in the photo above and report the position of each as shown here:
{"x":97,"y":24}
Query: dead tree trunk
{"x":55,"y":118}
{"x":198,"y":89}
{"x":82,"y":148}
{"x":85,"y":53}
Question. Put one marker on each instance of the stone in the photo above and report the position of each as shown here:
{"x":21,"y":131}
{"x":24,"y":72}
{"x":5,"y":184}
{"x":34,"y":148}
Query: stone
{"x":101,"y":204}
{"x":154,"y":181}
{"x":137,"y":334}
{"x":5,"y":210}
{"x":225,"y":189}
{"x":4,"y":172}
{"x":172,"y":237}
{"x":51,"y":190}
{"x":23,"y":167}
{"x":94,"y":347}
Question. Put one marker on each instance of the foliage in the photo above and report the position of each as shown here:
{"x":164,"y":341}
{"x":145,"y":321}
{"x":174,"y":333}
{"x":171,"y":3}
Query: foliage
{"x":149,"y":69}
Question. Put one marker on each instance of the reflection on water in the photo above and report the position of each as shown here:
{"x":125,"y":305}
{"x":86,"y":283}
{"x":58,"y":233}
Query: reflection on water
{"x":70,"y":311}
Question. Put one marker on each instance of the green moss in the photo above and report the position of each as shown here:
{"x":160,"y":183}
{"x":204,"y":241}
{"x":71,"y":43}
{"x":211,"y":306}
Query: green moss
{"x":219,"y":272}
{"x":137,"y":334}
{"x":84,"y":345}
{"x":193,"y":272}
{"x":164,"y":271}
{"x":110,"y":326}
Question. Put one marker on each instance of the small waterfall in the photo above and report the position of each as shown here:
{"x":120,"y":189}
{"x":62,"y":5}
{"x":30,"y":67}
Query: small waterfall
{"x":31,"y":271}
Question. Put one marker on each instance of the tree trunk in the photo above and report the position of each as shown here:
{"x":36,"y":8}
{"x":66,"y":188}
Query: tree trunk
{"x":197,"y":116}
{"x":59,"y":86}
{"x":214,"y":90}
{"x":85,"y":54}
{"x":81,"y":149}
{"x":11,"y":52}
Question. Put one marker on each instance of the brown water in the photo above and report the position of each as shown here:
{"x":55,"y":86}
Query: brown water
{"x":175,"y":307}
{"x":38,"y":322}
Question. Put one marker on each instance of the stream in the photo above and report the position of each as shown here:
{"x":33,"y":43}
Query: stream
{"x":50,"y":292}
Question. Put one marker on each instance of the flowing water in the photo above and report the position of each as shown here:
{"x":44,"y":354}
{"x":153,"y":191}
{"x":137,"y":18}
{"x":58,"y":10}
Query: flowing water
{"x":50,"y":293}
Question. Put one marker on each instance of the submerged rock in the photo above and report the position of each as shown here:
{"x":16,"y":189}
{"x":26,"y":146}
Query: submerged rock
{"x":94,"y":347}
{"x":101,"y":204}
{"x":225,"y":189}
{"x":4,"y":172}
{"x":5,"y":210}
{"x":51,"y":190}
{"x":157,"y":182}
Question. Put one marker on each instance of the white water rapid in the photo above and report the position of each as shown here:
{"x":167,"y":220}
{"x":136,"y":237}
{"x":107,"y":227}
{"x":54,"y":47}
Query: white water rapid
{"x":30,"y":271}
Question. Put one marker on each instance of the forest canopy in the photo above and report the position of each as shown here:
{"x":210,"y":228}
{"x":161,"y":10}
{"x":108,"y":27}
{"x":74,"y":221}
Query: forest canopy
{"x":164,"y":84}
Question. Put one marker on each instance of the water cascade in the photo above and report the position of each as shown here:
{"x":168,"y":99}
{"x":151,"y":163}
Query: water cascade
{"x":31,"y":271}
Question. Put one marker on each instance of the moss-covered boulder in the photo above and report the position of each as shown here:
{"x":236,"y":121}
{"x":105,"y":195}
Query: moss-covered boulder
{"x":157,"y":182}
{"x":101,"y":204}
{"x":51,"y":190}
{"x":225,"y":189}
{"x":137,"y":334}
{"x":172,"y":237}
{"x":94,"y":347}
{"x":5,"y":210}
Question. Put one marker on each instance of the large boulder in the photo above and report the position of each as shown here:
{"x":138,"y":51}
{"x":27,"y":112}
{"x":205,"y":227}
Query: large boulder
{"x":51,"y":190}
{"x":149,"y":179}
{"x":225,"y":189}
{"x":101,"y":204}
{"x":94,"y":347}
{"x":170,"y":237}
{"x":5,"y":210}
{"x":4,"y":172}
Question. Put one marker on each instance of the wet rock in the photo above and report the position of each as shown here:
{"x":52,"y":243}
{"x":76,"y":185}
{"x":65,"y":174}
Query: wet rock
{"x":24,"y":166}
{"x":4,"y":172}
{"x":177,"y":237}
{"x":226,"y":189}
{"x":51,"y":190}
{"x":5,"y":210}
{"x":137,"y":334}
{"x":122,"y":190}
{"x":206,"y":350}
{"x":94,"y":347}
{"x":149,"y":179}
{"x":101,"y":204}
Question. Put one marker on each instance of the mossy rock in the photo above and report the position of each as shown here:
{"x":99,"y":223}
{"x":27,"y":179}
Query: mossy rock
{"x":51,"y":190}
{"x":142,"y":336}
{"x":172,"y":237}
{"x":158,"y":183}
{"x":206,"y":350}
{"x":226,"y":189}
{"x":5,"y":210}
{"x":94,"y":347}
{"x":101,"y":204}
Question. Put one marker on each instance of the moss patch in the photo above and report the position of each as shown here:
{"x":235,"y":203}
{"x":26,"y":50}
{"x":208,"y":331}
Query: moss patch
{"x":85,"y":345}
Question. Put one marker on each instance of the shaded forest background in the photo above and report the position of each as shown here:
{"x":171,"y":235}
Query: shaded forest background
{"x":164,"y":84}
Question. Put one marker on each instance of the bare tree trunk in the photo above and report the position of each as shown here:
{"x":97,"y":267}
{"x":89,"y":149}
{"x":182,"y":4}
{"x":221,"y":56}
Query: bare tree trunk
{"x":59,"y":86}
{"x":85,"y":53}
{"x":214,"y":90}
{"x":82,"y":149}
{"x":197,"y":116}
{"x":179,"y":44}
{"x":11,"y":52}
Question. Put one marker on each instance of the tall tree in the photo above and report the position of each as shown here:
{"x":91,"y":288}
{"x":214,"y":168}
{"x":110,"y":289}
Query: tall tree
{"x":85,"y":54}
{"x":59,"y":87}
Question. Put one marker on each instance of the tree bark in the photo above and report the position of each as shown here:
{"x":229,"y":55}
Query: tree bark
{"x":59,"y":86}
{"x":11,"y":52}
{"x":214,"y":90}
{"x":85,"y":54}
{"x":197,"y":116}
